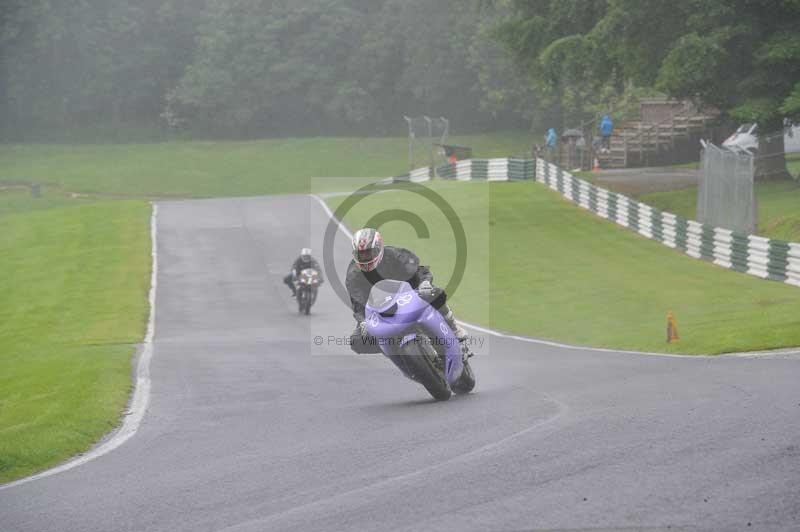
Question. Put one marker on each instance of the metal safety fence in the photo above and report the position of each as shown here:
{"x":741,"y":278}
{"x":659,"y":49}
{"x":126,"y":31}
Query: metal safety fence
{"x":726,"y":192}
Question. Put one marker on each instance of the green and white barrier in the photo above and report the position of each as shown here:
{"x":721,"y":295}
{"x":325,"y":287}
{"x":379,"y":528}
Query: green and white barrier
{"x":755,"y":255}
{"x":420,"y":174}
{"x":416,"y":176}
{"x":500,"y":169}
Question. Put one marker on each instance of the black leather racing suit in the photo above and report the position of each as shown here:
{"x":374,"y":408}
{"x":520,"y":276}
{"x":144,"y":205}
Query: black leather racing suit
{"x":397,"y":264}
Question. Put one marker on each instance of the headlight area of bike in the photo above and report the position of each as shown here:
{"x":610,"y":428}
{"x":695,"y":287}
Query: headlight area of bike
{"x":309,"y":277}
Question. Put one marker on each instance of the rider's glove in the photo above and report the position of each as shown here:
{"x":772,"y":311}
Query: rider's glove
{"x":361,"y":328}
{"x":425,"y":289}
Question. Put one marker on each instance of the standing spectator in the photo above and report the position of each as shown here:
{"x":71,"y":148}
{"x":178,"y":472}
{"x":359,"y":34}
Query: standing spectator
{"x":552,"y":143}
{"x":606,"y":129}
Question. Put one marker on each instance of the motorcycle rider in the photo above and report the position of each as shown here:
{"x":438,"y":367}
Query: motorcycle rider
{"x":305,"y":260}
{"x":373,"y":262}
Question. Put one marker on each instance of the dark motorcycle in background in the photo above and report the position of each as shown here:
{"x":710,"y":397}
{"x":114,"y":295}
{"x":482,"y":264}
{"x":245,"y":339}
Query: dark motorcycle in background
{"x":307,"y":285}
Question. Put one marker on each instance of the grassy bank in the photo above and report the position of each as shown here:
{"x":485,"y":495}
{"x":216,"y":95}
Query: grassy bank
{"x":556,"y":271}
{"x":200,"y":169}
{"x":75,"y":281}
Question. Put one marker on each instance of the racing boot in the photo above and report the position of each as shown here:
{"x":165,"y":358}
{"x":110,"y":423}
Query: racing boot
{"x":459,"y":331}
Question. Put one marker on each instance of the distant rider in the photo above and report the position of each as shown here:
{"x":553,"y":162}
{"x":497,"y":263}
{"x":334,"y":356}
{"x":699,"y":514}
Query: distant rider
{"x":305,"y":260}
{"x":373,"y":262}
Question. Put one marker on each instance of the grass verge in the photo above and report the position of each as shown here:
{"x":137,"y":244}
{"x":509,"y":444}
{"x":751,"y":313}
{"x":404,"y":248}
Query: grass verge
{"x":558,"y":272}
{"x":75,"y":282}
{"x":204,"y":169}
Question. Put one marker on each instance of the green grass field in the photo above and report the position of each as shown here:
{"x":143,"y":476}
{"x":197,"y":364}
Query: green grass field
{"x":75,"y":282}
{"x":555,"y":271}
{"x":202,"y":169}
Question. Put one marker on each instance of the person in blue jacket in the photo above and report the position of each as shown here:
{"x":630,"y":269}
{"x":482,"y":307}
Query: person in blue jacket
{"x":606,"y":129}
{"x":551,"y":140}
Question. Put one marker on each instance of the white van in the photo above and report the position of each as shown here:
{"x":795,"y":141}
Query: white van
{"x":745,"y":138}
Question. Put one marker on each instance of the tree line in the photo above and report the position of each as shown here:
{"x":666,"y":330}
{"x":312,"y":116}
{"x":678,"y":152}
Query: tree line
{"x":739,"y":57}
{"x":246,"y":68}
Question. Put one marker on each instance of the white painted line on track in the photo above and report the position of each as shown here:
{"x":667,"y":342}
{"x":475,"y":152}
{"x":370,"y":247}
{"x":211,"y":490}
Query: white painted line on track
{"x":492,"y":332}
{"x":574,"y":347}
{"x":141,"y":393}
{"x":343,"y":228}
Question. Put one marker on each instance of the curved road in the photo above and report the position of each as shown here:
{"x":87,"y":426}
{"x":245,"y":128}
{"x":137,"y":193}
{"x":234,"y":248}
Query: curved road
{"x":251,"y":427}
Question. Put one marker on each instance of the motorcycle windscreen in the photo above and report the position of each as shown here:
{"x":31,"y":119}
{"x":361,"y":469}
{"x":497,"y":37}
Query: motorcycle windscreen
{"x":385,"y":292}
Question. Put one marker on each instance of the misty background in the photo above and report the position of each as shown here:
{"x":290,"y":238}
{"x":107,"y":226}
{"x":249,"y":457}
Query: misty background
{"x":251,"y":68}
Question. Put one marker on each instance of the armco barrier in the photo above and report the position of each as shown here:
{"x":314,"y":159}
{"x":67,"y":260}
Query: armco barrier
{"x":416,"y":176}
{"x":504,"y":169}
{"x":754,"y":255}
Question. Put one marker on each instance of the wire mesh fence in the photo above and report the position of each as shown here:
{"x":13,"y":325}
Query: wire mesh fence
{"x":725,"y":192}
{"x":424,"y":133}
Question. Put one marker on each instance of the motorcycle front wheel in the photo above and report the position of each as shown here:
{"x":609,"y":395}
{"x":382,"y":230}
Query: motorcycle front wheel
{"x":466,"y":382}
{"x":421,"y":359}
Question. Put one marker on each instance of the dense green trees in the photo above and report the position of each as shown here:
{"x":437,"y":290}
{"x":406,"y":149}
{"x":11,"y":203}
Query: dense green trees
{"x":567,"y":67}
{"x":67,"y":63}
{"x":247,"y":67}
{"x":279,"y":67}
{"x":741,"y":57}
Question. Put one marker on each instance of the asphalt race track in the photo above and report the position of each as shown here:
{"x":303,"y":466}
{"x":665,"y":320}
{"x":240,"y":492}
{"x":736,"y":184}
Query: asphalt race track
{"x":251,"y":427}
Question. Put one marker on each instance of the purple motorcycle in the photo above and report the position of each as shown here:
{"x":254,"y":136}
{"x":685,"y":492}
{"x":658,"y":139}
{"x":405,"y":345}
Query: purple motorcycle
{"x":415,"y":337}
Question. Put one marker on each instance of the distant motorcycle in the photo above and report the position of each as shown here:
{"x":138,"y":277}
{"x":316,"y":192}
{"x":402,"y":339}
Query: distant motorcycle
{"x":415,"y":337}
{"x":307,"y":285}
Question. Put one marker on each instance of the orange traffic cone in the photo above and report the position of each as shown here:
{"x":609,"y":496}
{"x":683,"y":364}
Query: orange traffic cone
{"x":672,"y":328}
